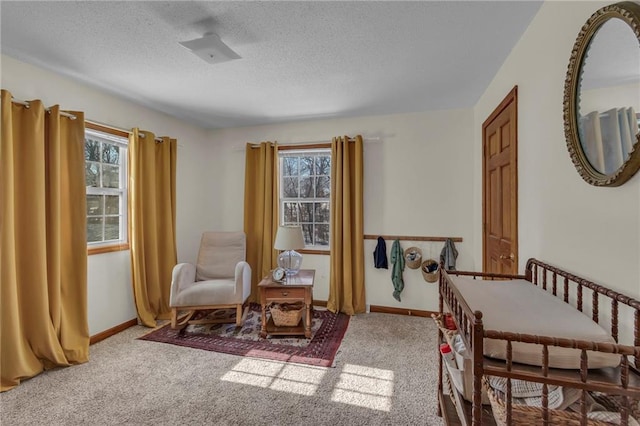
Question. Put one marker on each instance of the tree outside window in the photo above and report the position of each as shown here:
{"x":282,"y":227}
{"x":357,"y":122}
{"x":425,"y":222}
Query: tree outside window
{"x":106,"y":182}
{"x":305,"y":194}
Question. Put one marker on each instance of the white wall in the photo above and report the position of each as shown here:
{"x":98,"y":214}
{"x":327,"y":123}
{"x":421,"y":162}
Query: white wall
{"x":110,"y":300}
{"x":592,"y":231}
{"x":418,"y":181}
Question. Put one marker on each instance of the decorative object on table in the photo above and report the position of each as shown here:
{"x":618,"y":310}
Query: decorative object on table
{"x":397,"y":258}
{"x":328,"y":330}
{"x":289,"y":238}
{"x":380,"y":255}
{"x":278,"y":274}
{"x":286,"y":314}
{"x":448,"y":255}
{"x":413,"y":257}
{"x":430,"y":270}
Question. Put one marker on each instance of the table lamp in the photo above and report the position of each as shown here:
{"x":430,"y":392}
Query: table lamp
{"x":289,"y":238}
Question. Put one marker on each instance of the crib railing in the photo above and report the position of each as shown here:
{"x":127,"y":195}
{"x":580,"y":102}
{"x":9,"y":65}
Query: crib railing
{"x":539,"y":273}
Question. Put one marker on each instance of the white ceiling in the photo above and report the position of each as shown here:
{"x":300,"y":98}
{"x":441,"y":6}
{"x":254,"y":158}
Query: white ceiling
{"x":300,"y":60}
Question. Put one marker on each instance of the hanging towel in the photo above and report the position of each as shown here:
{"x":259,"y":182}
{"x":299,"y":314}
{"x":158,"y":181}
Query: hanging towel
{"x":380,"y":254}
{"x":448,"y":255}
{"x":397,"y":258}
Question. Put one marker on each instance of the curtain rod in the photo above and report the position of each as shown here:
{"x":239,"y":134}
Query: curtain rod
{"x":27,"y":105}
{"x":412,"y":238}
{"x":141,"y":134}
{"x":73,"y":117}
{"x":364,"y":139}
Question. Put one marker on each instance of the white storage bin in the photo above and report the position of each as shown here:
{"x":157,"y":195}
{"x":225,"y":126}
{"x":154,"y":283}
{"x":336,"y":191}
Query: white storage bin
{"x":462,"y":379}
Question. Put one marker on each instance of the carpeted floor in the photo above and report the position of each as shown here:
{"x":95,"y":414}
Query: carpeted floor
{"x":385,"y":374}
{"x":327,"y":332}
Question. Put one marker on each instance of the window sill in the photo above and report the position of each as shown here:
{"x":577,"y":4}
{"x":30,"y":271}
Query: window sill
{"x":107,"y":249}
{"x":312,"y":251}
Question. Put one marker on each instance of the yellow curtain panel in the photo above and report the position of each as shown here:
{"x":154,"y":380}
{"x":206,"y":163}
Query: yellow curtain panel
{"x":152,"y":222}
{"x":43,"y":252}
{"x":261,"y":210}
{"x":346,"y":282}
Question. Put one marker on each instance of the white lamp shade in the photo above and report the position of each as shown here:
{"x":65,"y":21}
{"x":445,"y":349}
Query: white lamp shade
{"x":289,"y":238}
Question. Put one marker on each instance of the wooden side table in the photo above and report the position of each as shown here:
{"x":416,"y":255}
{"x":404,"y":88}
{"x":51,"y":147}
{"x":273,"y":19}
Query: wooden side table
{"x":298,"y":288}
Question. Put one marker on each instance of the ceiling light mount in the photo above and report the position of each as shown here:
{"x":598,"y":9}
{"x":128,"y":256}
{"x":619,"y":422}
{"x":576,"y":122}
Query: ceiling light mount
{"x":211,"y":49}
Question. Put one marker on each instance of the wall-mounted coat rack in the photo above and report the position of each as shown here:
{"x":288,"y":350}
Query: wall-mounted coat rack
{"x":412,"y":238}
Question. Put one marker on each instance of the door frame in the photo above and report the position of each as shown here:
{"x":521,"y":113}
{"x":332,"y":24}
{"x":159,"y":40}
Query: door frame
{"x":512,"y":97}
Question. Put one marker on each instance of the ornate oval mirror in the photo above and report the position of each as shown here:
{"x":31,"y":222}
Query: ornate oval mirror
{"x":602,"y":96}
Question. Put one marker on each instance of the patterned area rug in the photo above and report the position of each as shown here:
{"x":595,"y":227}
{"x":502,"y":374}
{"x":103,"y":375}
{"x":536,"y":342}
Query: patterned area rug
{"x":327,"y":331}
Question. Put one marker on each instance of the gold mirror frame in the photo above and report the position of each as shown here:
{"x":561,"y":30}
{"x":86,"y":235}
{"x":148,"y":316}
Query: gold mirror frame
{"x":628,"y":12}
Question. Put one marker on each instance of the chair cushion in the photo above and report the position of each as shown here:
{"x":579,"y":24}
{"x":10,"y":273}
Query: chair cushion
{"x":211,"y":292}
{"x":219,"y":253}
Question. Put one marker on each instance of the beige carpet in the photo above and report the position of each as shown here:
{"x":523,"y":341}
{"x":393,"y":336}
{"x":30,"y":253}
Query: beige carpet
{"x":385,"y":374}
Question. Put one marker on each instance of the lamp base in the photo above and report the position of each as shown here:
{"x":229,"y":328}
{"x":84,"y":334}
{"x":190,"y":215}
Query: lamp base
{"x":290,"y":261}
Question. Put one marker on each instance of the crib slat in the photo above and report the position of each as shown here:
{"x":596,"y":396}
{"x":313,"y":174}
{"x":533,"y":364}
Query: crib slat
{"x":566,"y":290}
{"x":555,"y":285}
{"x":594,"y":307}
{"x":636,"y":336}
{"x":545,"y":389}
{"x":583,"y":397}
{"x":580,"y":297}
{"x":509,"y":394}
{"x":624,"y":381}
{"x":614,"y":319}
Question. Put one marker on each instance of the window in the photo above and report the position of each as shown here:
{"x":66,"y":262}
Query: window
{"x":305,"y":193}
{"x":105,"y":154}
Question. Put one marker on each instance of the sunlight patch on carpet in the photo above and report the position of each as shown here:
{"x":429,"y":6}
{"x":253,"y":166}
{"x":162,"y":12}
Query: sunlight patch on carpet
{"x":298,"y":379}
{"x":365,"y":387}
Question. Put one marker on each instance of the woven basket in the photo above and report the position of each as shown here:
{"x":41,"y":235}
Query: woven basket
{"x":413,"y":264}
{"x":286,"y":314}
{"x":430,"y":277}
{"x":524,"y":415}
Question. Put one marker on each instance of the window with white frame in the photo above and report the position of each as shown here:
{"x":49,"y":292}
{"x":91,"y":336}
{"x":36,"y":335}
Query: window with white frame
{"x":106,"y":180}
{"x":305,"y":193}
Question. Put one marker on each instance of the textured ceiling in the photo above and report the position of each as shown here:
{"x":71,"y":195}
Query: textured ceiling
{"x":300,"y":60}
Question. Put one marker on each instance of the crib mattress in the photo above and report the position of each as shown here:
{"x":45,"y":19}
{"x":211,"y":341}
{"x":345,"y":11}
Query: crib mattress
{"x":518,"y":306}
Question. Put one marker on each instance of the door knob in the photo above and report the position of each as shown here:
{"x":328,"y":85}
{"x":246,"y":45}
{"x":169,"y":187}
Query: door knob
{"x":510,"y":257}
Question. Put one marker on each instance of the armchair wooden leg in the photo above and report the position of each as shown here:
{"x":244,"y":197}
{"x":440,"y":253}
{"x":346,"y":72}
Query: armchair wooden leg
{"x":182,"y":324}
{"x":241,"y":315}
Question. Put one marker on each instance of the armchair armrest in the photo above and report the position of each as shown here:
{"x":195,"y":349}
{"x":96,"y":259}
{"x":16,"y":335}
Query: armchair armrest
{"x":243,"y":279}
{"x":182,"y":276}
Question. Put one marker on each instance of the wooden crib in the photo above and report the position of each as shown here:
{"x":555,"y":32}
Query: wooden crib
{"x":497,"y":347}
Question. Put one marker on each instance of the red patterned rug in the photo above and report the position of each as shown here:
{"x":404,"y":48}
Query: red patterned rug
{"x":327,"y":332}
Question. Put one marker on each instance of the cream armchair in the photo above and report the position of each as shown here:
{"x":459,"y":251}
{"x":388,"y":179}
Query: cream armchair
{"x":220,"y":279}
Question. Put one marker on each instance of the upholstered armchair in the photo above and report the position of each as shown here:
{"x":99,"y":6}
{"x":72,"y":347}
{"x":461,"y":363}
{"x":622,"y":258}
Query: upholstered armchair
{"x":220,"y":279}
